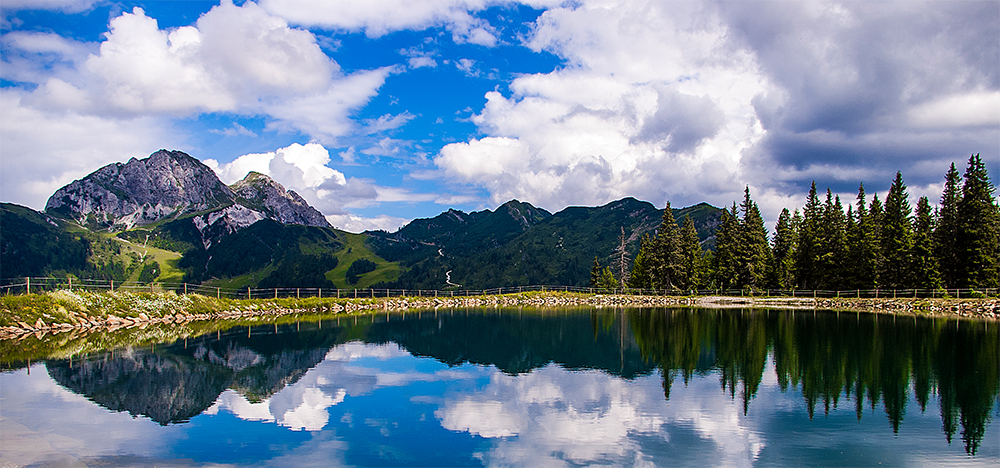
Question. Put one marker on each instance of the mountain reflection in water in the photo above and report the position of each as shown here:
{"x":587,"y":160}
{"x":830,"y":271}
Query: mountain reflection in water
{"x":828,"y":359}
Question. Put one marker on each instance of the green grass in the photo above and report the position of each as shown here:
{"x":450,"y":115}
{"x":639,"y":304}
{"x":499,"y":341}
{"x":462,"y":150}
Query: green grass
{"x":354,"y":249}
{"x":169,"y":273}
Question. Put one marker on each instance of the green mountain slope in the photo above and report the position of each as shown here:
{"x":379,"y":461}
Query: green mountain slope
{"x":555,"y":249}
{"x":35,"y":244}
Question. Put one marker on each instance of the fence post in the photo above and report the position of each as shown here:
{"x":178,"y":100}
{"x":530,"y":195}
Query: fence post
{"x":70,"y":283}
{"x":319,"y":293}
{"x":248,"y":292}
{"x":112,"y":285}
{"x":185,"y":289}
{"x":296,"y":293}
{"x":27,"y":282}
{"x":218,"y":292}
{"x":275,"y":293}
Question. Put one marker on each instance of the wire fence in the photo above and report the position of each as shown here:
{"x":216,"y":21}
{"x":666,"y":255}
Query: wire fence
{"x":28,"y":285}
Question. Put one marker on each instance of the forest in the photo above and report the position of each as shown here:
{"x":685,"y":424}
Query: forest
{"x":873,"y":244}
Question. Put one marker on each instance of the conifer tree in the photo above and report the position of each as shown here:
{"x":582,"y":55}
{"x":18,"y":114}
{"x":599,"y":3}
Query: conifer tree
{"x":783,"y":253}
{"x":691,"y":255}
{"x":924,"y":268}
{"x":726,"y":250}
{"x":978,"y":236}
{"x":946,"y":230}
{"x":595,"y":273}
{"x":642,"y":266}
{"x":667,"y":252}
{"x":808,"y":246}
{"x":863,"y":246}
{"x":607,"y":280}
{"x":896,"y":237}
{"x":831,"y":245}
{"x":755,"y":251}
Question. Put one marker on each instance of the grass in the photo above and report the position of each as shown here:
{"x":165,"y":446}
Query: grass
{"x":169,"y":273}
{"x":354,"y":249}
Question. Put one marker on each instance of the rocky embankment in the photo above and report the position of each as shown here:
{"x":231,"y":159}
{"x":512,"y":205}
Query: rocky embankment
{"x":61,"y":311}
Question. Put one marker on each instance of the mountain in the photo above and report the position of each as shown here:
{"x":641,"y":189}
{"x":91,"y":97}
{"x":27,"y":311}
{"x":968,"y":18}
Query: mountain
{"x":486,"y":249}
{"x":142,"y":191}
{"x":169,"y":218}
{"x":171,"y":184}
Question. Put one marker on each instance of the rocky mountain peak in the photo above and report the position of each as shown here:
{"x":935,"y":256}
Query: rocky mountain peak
{"x":260,"y":192}
{"x":142,"y":191}
{"x":171,"y":184}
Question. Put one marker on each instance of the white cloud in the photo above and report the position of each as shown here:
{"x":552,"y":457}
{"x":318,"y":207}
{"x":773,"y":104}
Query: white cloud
{"x":357,"y":224}
{"x":645,"y":104}
{"x":42,"y":150}
{"x":380,"y":17}
{"x":234,"y":59}
{"x":962,"y":110}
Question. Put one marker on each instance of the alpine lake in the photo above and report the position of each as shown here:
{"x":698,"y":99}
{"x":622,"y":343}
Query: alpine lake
{"x":515,"y":387}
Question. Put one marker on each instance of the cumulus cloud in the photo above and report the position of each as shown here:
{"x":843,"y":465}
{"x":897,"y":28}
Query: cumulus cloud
{"x":636,"y":112}
{"x":689,"y":101}
{"x":234,"y":59}
{"x":44,"y":150}
{"x":377,"y":18}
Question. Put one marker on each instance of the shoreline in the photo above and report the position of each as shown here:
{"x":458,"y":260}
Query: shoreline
{"x":65,"y":311}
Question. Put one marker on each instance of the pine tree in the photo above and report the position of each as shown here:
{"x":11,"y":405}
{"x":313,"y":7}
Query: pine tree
{"x":595,"y":273}
{"x":978,"y":237}
{"x":641,"y":267}
{"x":831,"y":245}
{"x":755,"y":251}
{"x":783,"y":253}
{"x":607,"y":280}
{"x":924,"y":266}
{"x":863,"y":246}
{"x":724,"y":262}
{"x":946,"y":230}
{"x":667,"y":259}
{"x":808,"y":246}
{"x":691,"y":255}
{"x":896,"y":237}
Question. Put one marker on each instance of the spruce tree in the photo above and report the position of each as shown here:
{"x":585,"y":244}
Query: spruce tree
{"x":978,"y":237}
{"x":831,"y":245}
{"x":667,"y":252}
{"x":640,"y":277}
{"x":783,"y":253}
{"x":755,"y":251}
{"x":924,"y":266}
{"x":946,"y":230}
{"x":595,"y":273}
{"x":607,"y":280}
{"x":863,"y":246}
{"x":724,"y":262}
{"x":897,"y":237}
{"x":691,"y":255}
{"x":808,"y":246}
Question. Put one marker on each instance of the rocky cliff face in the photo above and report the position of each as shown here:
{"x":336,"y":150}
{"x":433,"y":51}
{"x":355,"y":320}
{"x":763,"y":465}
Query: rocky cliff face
{"x":170,"y":184}
{"x":259,"y":192}
{"x":142,"y":191}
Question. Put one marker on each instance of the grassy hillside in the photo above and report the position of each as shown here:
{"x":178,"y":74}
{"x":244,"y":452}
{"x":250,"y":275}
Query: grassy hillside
{"x":355,"y":249}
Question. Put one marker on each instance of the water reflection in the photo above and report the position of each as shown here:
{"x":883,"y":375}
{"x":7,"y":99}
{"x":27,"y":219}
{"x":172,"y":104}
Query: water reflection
{"x":626,"y":387}
{"x":864,"y":357}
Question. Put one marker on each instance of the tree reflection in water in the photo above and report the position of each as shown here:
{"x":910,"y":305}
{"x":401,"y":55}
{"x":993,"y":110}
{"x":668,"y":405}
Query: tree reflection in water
{"x":830,"y":355}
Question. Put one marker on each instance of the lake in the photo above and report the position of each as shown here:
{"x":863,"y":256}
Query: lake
{"x":531,"y":387}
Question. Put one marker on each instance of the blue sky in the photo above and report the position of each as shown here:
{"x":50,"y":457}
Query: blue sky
{"x":379,"y":112}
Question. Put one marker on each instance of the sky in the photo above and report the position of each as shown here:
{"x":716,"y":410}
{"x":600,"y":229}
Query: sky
{"x":382,"y":111}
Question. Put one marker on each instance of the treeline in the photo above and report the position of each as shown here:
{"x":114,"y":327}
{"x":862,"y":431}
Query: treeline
{"x":872,"y":244}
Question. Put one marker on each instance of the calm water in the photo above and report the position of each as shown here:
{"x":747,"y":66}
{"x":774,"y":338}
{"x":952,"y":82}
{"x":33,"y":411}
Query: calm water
{"x":649,"y":387}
